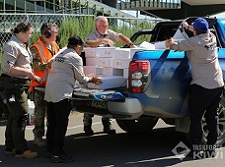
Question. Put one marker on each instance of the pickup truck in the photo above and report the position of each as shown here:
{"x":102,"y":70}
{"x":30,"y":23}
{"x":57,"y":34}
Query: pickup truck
{"x":158,"y":86}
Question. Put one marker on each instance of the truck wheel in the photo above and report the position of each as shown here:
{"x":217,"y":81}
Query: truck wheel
{"x":221,"y":125}
{"x":138,"y":125}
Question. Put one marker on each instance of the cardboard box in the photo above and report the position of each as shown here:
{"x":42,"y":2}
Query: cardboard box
{"x":126,"y":53}
{"x":104,"y":62}
{"x":122,"y":53}
{"x":109,"y":82}
{"x":106,"y":51}
{"x":91,"y":61}
{"x":147,"y":45}
{"x":125,"y":73}
{"x":121,"y":64}
{"x":109,"y":71}
{"x":160,"y":45}
{"x":91,"y":52}
{"x":93,"y":70}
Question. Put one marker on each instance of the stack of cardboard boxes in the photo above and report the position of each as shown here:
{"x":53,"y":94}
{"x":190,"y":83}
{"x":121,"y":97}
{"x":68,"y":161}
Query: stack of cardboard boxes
{"x":110,"y":63}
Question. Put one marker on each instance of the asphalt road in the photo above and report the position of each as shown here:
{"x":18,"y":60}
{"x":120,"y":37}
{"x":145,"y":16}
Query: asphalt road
{"x":120,"y":150}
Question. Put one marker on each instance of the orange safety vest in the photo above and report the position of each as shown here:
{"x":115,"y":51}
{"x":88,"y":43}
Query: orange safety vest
{"x":45,"y":56}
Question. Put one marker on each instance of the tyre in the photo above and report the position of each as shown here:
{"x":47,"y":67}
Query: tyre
{"x":220,"y":125}
{"x":138,"y":125}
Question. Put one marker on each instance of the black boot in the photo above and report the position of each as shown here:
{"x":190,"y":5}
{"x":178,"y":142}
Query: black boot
{"x":87,"y":124}
{"x":88,"y":131}
{"x":107,"y":127}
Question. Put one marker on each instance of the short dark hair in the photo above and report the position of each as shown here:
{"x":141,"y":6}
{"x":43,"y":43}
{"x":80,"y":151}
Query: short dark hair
{"x":22,"y":27}
{"x":47,"y":26}
{"x":74,"y":41}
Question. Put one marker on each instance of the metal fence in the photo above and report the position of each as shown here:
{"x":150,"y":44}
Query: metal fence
{"x":9,"y":21}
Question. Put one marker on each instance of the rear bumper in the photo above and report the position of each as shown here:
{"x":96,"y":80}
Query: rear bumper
{"x":130,"y":108}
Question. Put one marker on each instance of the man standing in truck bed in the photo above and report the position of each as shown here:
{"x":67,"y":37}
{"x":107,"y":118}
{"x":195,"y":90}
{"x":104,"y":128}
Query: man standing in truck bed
{"x":103,"y":36}
{"x":206,"y":85}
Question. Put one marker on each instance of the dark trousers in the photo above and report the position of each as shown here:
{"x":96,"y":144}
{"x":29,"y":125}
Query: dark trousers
{"x":57,"y":115}
{"x":203,"y":100}
{"x":15,"y":130}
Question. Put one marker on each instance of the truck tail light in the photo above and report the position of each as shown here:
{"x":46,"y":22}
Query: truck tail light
{"x":138,"y":75}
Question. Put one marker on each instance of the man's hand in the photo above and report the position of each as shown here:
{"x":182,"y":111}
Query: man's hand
{"x":185,"y":24}
{"x":95,"y":79}
{"x":169,"y":42}
{"x":44,"y":66}
{"x":108,"y":42}
{"x":34,"y":77}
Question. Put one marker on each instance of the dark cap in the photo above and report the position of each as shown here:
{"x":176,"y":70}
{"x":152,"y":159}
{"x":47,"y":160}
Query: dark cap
{"x":75,"y":40}
{"x":200,"y":25}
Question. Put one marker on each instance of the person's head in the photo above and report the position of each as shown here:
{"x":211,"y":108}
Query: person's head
{"x":75,"y":42}
{"x":49,"y":32}
{"x":101,"y":24}
{"x":200,"y":26}
{"x":23,"y":31}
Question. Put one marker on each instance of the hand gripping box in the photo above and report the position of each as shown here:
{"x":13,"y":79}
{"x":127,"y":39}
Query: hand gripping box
{"x":109,"y":82}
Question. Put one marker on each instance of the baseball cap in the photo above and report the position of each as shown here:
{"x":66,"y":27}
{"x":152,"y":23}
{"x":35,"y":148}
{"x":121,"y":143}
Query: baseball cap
{"x":200,"y":25}
{"x":75,"y":40}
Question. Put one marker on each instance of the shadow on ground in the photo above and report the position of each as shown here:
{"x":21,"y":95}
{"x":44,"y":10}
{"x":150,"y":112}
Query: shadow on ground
{"x":120,"y":150}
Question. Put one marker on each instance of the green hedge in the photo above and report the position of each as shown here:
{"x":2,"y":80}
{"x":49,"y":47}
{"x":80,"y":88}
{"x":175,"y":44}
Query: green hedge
{"x":83,"y":26}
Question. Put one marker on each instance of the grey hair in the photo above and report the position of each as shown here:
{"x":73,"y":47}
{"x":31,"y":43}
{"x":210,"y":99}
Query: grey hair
{"x":100,"y":18}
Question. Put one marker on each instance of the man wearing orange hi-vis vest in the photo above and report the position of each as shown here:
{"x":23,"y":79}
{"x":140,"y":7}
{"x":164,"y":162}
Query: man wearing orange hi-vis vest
{"x":42,"y":50}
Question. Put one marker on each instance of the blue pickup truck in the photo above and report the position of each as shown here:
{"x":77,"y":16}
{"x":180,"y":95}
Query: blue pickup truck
{"x":158,"y":86}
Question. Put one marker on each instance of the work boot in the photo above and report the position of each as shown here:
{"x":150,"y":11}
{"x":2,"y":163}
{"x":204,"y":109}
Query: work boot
{"x":27,"y":154}
{"x":88,"y":131}
{"x":107,"y":126}
{"x":38,"y":141}
{"x":87,"y":124}
{"x":109,"y":130}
